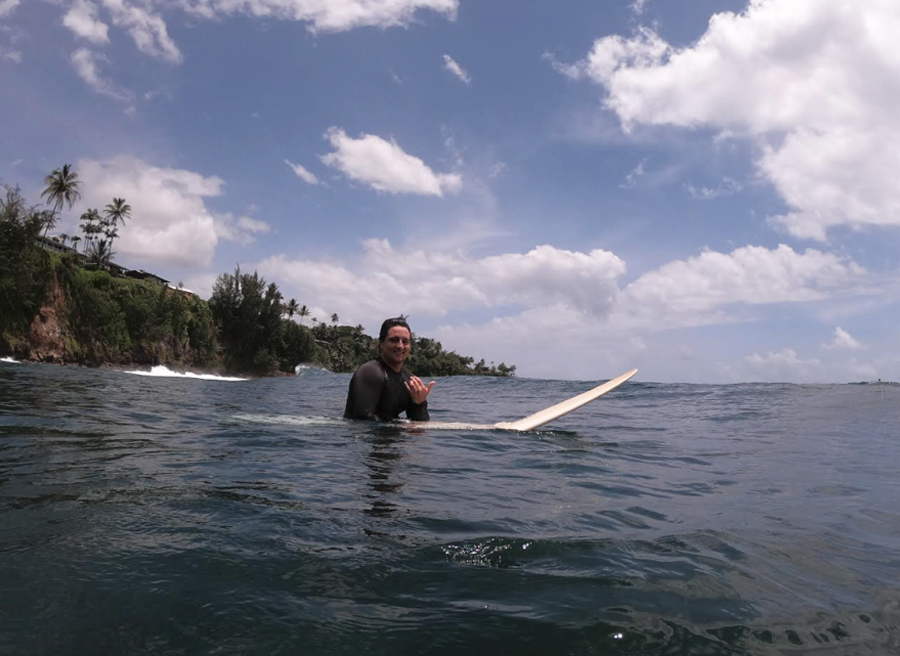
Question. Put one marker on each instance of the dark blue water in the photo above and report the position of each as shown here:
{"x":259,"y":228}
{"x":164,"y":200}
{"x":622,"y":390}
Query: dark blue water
{"x":171,"y":516}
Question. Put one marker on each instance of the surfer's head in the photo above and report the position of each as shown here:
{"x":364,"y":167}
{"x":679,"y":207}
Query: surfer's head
{"x":390,"y":323}
{"x":394,"y":342}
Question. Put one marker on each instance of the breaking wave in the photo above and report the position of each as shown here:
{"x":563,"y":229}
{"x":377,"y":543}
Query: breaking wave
{"x":161,"y":371}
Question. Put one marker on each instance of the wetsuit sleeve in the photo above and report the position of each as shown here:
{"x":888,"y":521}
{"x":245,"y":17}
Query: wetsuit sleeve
{"x":366,"y":388}
{"x":418,"y":411}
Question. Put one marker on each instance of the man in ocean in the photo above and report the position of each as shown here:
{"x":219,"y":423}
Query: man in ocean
{"x":381,"y":389}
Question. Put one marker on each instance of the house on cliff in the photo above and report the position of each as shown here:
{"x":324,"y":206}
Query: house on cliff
{"x":56,"y":245}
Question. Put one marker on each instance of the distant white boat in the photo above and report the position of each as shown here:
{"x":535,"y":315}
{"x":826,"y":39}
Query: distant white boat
{"x":10,"y":361}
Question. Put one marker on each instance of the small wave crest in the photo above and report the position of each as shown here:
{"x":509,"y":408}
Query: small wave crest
{"x":162,"y":371}
{"x":305,"y":369}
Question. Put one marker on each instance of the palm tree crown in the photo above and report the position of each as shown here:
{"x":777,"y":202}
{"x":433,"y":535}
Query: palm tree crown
{"x":62,"y":187}
{"x":291,"y":307}
{"x":117,"y":211}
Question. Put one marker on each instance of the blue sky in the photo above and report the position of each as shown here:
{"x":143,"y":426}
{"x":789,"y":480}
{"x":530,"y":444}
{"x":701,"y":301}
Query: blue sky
{"x":705,"y":190}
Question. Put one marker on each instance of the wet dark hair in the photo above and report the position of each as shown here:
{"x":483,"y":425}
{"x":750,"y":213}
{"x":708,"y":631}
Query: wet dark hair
{"x":390,"y":323}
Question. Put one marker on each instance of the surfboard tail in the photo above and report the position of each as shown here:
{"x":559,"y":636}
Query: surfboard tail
{"x":565,"y":407}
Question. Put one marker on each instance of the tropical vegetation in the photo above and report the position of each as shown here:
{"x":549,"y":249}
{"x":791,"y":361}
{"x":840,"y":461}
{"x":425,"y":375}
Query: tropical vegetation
{"x":101,"y":317}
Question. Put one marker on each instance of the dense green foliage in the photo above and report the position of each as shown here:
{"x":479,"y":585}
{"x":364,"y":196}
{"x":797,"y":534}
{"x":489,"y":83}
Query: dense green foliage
{"x":123,"y":320}
{"x":24,"y":269}
{"x":96,"y":318}
{"x":248,"y":313}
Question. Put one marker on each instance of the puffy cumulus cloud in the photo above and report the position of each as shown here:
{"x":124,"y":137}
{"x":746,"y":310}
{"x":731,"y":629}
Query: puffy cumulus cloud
{"x":815,"y":81}
{"x":701,"y":290}
{"x":710,"y":289}
{"x":302,"y":173}
{"x":550,"y":341}
{"x":147,"y":29}
{"x":553,"y":306}
{"x":457,"y":70}
{"x":384,"y":166}
{"x":435,"y":284}
{"x":87,"y":64}
{"x":82,"y":20}
{"x":327,"y":15}
{"x":170,"y":222}
{"x":844,"y":340}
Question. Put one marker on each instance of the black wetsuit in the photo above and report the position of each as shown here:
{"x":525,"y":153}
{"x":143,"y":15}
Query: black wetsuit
{"x":377,"y":392}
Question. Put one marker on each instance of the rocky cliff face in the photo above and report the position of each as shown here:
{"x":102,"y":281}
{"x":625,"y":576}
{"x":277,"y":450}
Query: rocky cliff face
{"x":52,"y":338}
{"x":48,"y":335}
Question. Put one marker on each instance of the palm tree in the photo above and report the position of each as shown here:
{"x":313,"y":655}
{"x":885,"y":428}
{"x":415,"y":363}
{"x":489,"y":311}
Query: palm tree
{"x":116,"y":211}
{"x":335,"y":318}
{"x":303,"y":312}
{"x":63,"y":238}
{"x":75,"y":240}
{"x":62,"y":189}
{"x":100,"y":254}
{"x":90,"y":226}
{"x":291,"y":308}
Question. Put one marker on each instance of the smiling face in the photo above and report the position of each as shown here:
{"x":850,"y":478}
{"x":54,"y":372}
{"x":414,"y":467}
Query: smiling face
{"x":395,"y":347}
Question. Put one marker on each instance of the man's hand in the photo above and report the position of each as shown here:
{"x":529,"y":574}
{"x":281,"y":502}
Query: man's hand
{"x":418,"y":390}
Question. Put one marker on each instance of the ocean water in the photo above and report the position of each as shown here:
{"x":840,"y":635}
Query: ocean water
{"x":170,"y":515}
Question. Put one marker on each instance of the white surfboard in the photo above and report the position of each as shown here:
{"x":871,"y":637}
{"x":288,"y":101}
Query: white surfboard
{"x":525,"y":424}
{"x":538,"y":418}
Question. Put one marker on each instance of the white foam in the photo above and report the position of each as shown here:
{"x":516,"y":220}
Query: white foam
{"x":162,"y":371}
{"x":10,"y":361}
{"x":289,"y":420}
{"x":301,"y":369}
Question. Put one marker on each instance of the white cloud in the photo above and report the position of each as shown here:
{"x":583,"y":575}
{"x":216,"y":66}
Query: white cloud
{"x":14,"y":56}
{"x":638,"y":6}
{"x":457,"y":70}
{"x":787,"y":356}
{"x":327,"y":15}
{"x":86,"y":63}
{"x":242,"y":230}
{"x":699,"y":290}
{"x":81,"y":19}
{"x":435,"y":283}
{"x":577,"y":297}
{"x":7,"y":7}
{"x":632,"y":178}
{"x":844,"y":340}
{"x":170,"y":222}
{"x":728,"y":187}
{"x":147,"y":29}
{"x":302,"y":173}
{"x":384,"y":166}
{"x":813,"y":81}
{"x":497,"y":169}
